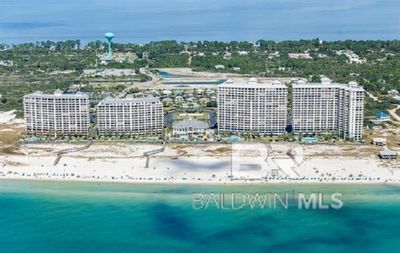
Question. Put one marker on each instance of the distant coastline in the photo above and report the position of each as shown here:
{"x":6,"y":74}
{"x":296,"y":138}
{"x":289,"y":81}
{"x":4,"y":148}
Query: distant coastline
{"x":145,"y":21}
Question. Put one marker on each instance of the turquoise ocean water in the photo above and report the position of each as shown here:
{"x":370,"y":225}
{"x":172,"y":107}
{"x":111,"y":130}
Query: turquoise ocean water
{"x":91,"y":217}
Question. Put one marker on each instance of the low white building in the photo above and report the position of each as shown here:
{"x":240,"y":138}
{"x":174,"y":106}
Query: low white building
{"x":189,"y":126}
{"x":352,"y":57}
{"x":300,"y":56}
{"x":227,"y":56}
{"x":179,"y":99}
{"x":167,"y":101}
{"x":388,"y":154}
{"x":379,"y":141}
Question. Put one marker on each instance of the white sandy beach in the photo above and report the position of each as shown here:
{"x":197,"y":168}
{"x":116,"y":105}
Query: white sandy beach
{"x":213,"y":163}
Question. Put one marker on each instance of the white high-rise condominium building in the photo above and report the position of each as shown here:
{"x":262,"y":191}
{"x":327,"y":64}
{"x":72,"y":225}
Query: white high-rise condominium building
{"x":328,"y":107}
{"x":57,"y":114}
{"x":252,"y":107}
{"x":130,"y":115}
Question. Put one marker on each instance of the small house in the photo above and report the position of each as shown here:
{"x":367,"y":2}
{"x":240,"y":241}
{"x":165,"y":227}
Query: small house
{"x":387,"y":154}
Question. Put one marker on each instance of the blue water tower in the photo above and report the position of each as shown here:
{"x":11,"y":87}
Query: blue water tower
{"x":109,"y":36}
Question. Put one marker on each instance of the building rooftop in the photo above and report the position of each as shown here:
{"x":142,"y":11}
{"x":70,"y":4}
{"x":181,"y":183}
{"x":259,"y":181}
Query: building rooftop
{"x":190,"y":123}
{"x":387,"y":152}
{"x":326,"y":82}
{"x":252,"y":83}
{"x":111,"y":100}
{"x":167,"y":100}
{"x":71,"y":90}
{"x":57,"y":94}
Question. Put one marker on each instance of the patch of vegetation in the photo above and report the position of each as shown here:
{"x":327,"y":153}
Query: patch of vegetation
{"x":49,"y":65}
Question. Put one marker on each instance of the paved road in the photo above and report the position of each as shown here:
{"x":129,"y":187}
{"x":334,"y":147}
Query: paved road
{"x":393,"y":113}
{"x":373,"y":97}
{"x":154,"y":78}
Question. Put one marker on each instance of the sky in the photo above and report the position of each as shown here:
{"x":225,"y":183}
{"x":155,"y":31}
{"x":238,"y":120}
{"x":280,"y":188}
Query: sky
{"x":192,"y":20}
